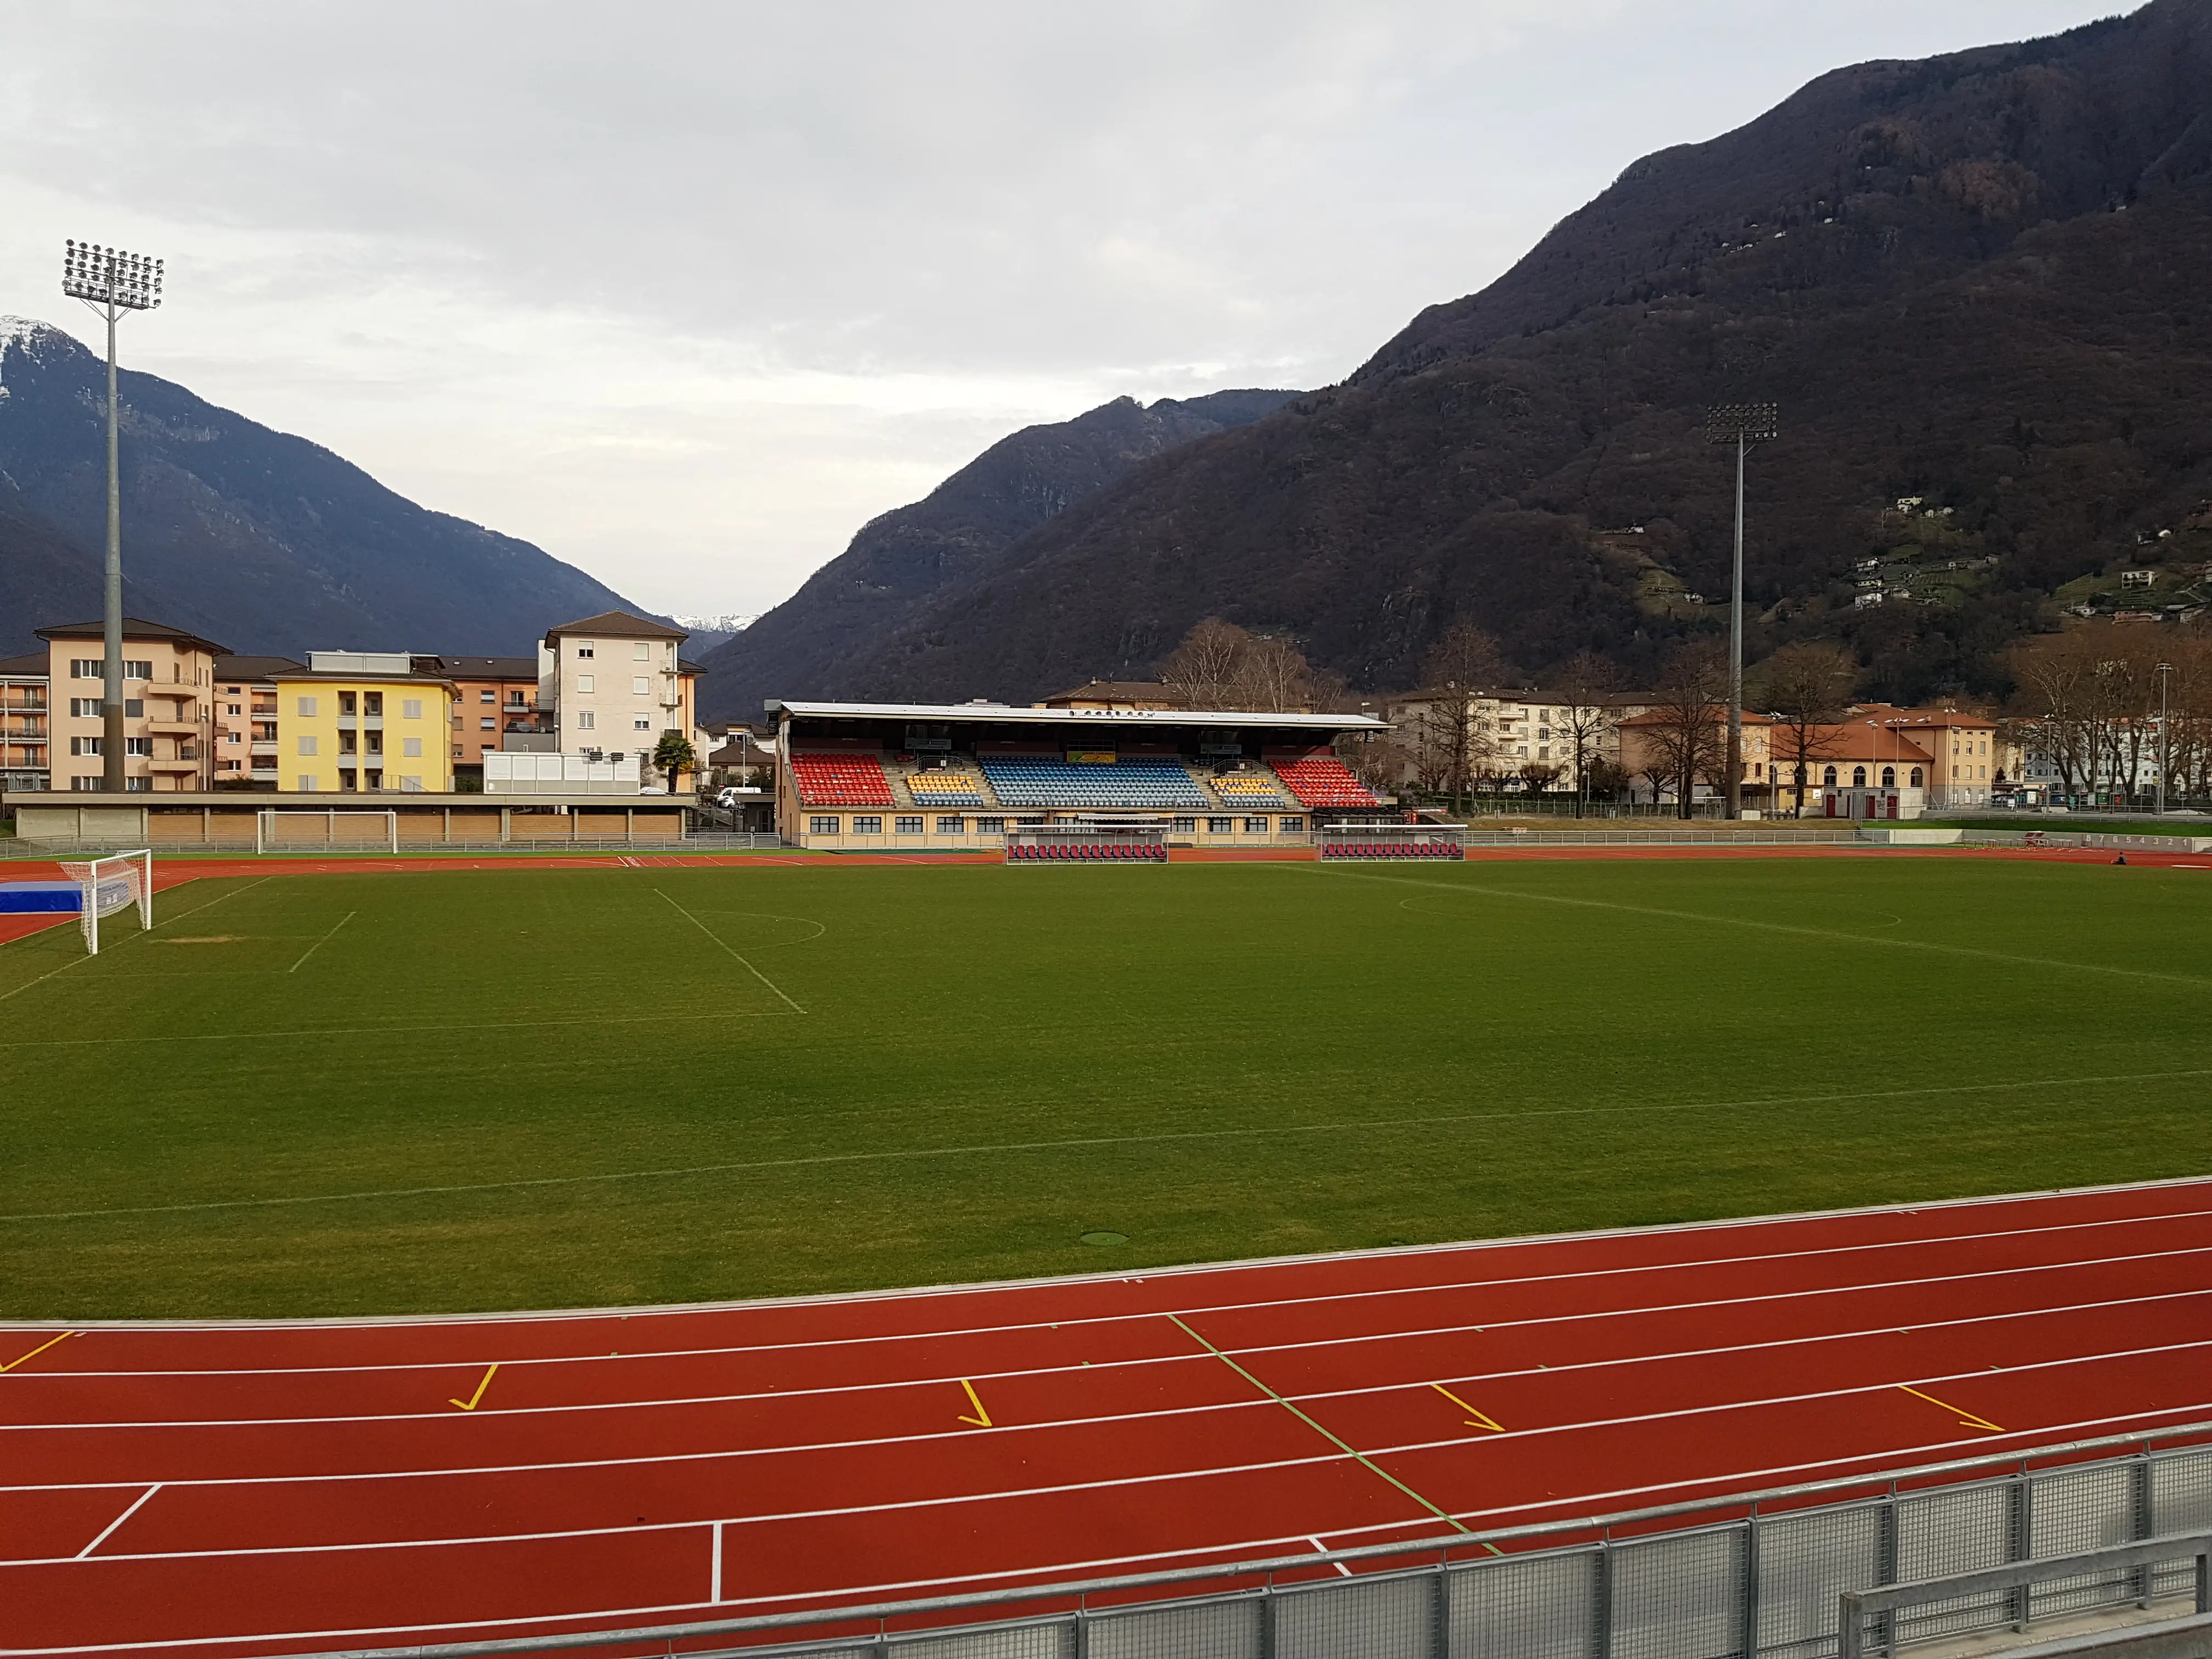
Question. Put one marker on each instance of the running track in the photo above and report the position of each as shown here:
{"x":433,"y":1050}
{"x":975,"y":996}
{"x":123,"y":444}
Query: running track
{"x":264,"y":1488}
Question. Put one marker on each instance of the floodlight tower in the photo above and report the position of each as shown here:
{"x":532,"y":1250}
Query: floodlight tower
{"x":1742,"y":425}
{"x":111,"y":282}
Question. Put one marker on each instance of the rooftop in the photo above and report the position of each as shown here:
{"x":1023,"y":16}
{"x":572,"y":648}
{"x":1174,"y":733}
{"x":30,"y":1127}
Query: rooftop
{"x":1002,"y":713}
{"x":134,"y":627}
{"x":619,"y":625}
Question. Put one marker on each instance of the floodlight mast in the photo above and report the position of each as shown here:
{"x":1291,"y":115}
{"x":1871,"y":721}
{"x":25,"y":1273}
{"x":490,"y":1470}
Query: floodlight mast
{"x":1742,"y":425}
{"x":111,"y":282}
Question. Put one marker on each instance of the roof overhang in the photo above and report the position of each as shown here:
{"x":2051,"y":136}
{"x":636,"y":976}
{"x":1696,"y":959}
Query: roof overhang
{"x":999,"y":714}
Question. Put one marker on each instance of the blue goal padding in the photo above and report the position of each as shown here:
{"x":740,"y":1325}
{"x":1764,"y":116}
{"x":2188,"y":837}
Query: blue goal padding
{"x":26,"y":897}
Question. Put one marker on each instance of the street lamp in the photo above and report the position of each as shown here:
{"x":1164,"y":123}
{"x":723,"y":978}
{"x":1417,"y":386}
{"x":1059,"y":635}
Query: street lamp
{"x":2165,"y":750}
{"x":1742,"y":425}
{"x":111,"y":282}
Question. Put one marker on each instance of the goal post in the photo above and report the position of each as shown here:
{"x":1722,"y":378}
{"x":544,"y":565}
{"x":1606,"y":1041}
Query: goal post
{"x":1355,"y":842}
{"x":325,"y":829}
{"x":107,"y":885}
{"x":1086,"y":843}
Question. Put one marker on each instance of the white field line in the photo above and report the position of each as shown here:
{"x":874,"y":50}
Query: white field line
{"x":1471,"y":889}
{"x":1444,"y":1287}
{"x":323,"y":940}
{"x":741,"y":961}
{"x":943,"y":1500}
{"x":733,"y":1453}
{"x":80,"y":961}
{"x":985,"y":1149}
{"x":472,"y":1026}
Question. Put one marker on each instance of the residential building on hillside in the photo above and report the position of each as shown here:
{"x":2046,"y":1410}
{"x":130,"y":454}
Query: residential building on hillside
{"x":365,"y":722}
{"x":245,"y":719}
{"x":24,"y":725}
{"x":614,"y":682}
{"x":168,"y":727}
{"x":1648,"y":750}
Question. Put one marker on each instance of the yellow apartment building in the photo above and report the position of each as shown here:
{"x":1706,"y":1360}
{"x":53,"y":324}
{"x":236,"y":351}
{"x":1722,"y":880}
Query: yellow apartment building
{"x":363,"y":722}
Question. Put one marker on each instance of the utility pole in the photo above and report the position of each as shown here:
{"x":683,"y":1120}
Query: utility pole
{"x":1742,"y":425}
{"x":111,"y":282}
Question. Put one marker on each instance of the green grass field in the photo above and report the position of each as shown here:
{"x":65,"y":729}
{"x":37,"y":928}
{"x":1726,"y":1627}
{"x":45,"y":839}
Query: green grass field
{"x":536,"y":1087}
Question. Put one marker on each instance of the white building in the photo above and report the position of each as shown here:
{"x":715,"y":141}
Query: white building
{"x":613,"y":684}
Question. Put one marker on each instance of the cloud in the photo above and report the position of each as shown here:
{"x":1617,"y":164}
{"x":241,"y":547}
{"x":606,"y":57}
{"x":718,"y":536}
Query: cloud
{"x":686,"y":293}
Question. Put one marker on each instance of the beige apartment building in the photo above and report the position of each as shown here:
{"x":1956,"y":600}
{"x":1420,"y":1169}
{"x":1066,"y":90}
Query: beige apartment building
{"x":169,"y":719}
{"x":612,"y":683}
{"x":1967,"y":756}
{"x":1643,"y":755}
{"x":25,"y":731}
{"x":1515,"y":733}
{"x":246,"y":724}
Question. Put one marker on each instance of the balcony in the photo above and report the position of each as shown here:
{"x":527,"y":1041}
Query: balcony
{"x":264,"y":711}
{"x":166,"y":725}
{"x":264,"y":746}
{"x":19,"y":728}
{"x":183,"y":763}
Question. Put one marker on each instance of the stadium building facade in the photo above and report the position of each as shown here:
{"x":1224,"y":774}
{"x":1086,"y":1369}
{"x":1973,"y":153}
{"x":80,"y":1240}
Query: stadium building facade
{"x":959,"y":776}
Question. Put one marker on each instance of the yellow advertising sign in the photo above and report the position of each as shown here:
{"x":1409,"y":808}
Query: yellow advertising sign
{"x":1090,"y":757}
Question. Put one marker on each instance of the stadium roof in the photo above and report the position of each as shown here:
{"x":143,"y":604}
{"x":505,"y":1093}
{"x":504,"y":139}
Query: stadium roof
{"x":1015,"y":712}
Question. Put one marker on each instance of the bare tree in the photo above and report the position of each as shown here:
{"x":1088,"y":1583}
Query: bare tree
{"x":1274,"y":676}
{"x":1688,"y":720}
{"x":1805,"y":687}
{"x":1465,"y":657}
{"x":1202,"y":671}
{"x":1452,"y":744}
{"x":1584,"y":713}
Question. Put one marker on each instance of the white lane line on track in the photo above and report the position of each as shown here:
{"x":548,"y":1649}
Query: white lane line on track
{"x":1991,"y":1443}
{"x":1410,"y":1385}
{"x":880,"y":1385}
{"x":1451,"y":1287}
{"x":1312,"y":1260}
{"x":108,"y":1531}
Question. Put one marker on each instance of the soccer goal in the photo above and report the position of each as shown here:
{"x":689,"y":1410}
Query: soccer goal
{"x":326,"y":829}
{"x":109,"y":884}
{"x":1390,"y":840}
{"x":1086,"y":843}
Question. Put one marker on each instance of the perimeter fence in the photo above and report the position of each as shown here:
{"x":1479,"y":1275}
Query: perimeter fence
{"x":345,"y":847}
{"x":1757,"y":1576}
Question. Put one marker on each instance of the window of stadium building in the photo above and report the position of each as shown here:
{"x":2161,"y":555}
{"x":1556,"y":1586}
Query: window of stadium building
{"x":1220,"y":826}
{"x":991,"y":826}
{"x":1184,"y":826}
{"x":1255,"y":826}
{"x":1294,"y":826}
{"x":821,"y":826}
{"x":867,"y":826}
{"x":949,"y":826}
{"x":907,"y":826}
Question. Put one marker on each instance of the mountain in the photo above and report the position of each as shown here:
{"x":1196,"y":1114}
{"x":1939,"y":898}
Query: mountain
{"x":262,"y":541}
{"x":1977,"y":280}
{"x":826,"y":640}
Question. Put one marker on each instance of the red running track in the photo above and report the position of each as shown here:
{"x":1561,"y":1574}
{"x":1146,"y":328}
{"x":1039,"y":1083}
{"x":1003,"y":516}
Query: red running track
{"x":262,"y":1487}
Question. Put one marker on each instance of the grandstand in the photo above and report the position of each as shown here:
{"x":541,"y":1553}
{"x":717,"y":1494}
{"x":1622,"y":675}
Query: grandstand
{"x":959,"y":776}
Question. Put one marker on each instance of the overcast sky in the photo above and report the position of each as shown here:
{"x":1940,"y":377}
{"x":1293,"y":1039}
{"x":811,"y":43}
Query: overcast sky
{"x":687,"y":293}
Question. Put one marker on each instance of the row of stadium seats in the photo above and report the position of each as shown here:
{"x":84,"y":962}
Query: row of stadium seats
{"x":842,"y":781}
{"x":1323,"y":780}
{"x":1087,"y":852}
{"x":945,"y":788}
{"x":1391,"y":848}
{"x":1044,"y":780}
{"x":1248,"y":789}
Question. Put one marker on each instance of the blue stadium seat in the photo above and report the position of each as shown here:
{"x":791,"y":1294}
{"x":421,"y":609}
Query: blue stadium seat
{"x":1046,"y":781}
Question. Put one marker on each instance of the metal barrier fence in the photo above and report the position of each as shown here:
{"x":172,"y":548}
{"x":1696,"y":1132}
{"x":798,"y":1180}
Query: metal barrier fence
{"x":1764,"y":1582}
{"x":344,"y":848}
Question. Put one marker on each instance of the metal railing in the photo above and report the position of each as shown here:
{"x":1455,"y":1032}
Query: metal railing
{"x":2125,"y":1570}
{"x":1754,"y":1576}
{"x":343,"y":848}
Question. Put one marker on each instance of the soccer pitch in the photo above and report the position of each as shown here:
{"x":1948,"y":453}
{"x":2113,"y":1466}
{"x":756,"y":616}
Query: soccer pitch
{"x":540,"y":1087}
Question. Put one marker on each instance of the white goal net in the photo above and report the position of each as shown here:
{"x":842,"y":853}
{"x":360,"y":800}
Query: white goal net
{"x":109,"y":884}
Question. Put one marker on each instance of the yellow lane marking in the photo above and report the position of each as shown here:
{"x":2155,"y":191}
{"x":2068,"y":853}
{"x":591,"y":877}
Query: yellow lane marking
{"x":982,"y":1419}
{"x":1966,"y":1419}
{"x":41,"y":1349}
{"x":469,"y":1404}
{"x":1476,"y":1420}
{"x":1334,"y":1439}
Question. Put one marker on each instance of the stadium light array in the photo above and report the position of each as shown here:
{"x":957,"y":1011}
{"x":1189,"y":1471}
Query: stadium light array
{"x":1742,"y":425}
{"x":111,"y":282}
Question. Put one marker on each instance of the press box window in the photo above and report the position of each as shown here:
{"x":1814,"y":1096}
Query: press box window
{"x":821,"y":826}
